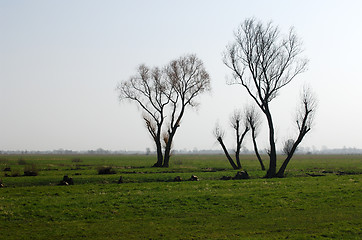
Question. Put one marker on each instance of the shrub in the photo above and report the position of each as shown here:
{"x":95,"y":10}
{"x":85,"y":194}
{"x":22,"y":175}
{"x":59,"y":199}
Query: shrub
{"x":7,"y":169}
{"x":106,"y":170}
{"x":31,"y":170}
{"x":14,"y":173}
{"x":66,"y":181}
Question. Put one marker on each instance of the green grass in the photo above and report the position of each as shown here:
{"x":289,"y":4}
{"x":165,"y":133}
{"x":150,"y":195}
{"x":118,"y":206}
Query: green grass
{"x":150,"y":206}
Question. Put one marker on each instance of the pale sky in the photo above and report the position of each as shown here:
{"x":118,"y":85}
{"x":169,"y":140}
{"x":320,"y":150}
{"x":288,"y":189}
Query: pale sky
{"x":60,"y":62}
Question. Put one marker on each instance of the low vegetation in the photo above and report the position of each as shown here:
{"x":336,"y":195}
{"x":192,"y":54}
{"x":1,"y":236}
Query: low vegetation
{"x":319,"y":199}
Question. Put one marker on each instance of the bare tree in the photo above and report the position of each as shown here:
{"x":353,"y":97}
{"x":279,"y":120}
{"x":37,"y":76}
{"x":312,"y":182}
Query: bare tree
{"x":304,"y":122}
{"x":236,"y":120}
{"x":188,"y":78}
{"x":288,"y":146}
{"x":163,"y":95}
{"x":263,"y":62}
{"x":254,"y":121}
{"x":219,"y":135}
{"x":241,"y":127}
{"x":150,"y":90}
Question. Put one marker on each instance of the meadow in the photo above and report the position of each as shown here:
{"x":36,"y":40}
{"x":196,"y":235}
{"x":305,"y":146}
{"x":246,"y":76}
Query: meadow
{"x":320,"y":198}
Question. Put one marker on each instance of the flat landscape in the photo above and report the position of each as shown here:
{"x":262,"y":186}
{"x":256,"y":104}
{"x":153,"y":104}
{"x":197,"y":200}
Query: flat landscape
{"x":320,"y":198}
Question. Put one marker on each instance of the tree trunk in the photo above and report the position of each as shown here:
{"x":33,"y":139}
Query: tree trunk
{"x":290,"y":155}
{"x":167,"y":156}
{"x":281,"y":171}
{"x":256,"y":149}
{"x":166,"y":161}
{"x":238,"y":144}
{"x":159,"y":154}
{"x":157,"y":139}
{"x":285,"y":163}
{"x":237,"y":156}
{"x":272,"y":154}
{"x":227,"y":154}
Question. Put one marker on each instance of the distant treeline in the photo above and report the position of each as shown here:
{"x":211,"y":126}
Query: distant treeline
{"x":100,"y":151}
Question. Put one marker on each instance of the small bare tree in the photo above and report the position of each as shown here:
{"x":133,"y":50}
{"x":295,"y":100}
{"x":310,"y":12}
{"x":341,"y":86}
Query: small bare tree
{"x":236,"y":121}
{"x":304,"y":122}
{"x":219,"y":134}
{"x":263,"y":62}
{"x":288,"y":146}
{"x":241,"y":127}
{"x":254,"y":121}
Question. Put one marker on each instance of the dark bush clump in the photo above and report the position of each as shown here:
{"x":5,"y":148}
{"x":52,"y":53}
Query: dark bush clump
{"x":31,"y":170}
{"x":106,"y":170}
{"x":14,"y":173}
{"x":66,"y":181}
{"x":241,"y":175}
{"x":7,"y":169}
{"x":194,"y":178}
{"x":177,"y":179}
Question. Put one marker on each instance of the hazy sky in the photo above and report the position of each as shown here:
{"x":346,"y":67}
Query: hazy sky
{"x":60,"y":62}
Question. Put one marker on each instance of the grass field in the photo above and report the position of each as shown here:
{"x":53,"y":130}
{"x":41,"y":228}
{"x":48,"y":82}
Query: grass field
{"x":319,"y":199}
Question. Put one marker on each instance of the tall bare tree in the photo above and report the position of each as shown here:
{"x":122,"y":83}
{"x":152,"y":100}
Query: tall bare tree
{"x":188,"y":78}
{"x":263,"y":62}
{"x":163,"y":94}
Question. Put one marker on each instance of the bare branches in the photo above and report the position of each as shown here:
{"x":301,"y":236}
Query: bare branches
{"x":168,"y":90}
{"x":304,"y":123}
{"x":188,"y":77}
{"x":305,"y":114}
{"x":236,"y":119}
{"x":149,"y":89}
{"x":253,"y":118}
{"x":262,"y":61}
{"x":218,"y":132}
{"x":219,"y":135}
{"x":151,"y":126}
{"x":288,"y":146}
{"x":241,"y":127}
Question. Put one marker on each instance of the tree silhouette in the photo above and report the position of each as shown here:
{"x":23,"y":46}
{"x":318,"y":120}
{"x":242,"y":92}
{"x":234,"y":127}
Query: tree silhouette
{"x":240,"y":125}
{"x":254,"y":121}
{"x":263,"y":62}
{"x":163,"y":95}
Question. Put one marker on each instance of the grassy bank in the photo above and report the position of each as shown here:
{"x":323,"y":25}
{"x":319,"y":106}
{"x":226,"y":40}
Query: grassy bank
{"x":148,"y":205}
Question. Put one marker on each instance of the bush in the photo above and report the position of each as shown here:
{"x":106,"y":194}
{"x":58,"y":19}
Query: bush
{"x":31,"y":170}
{"x":14,"y":173}
{"x":106,"y":170}
{"x":7,"y":169}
